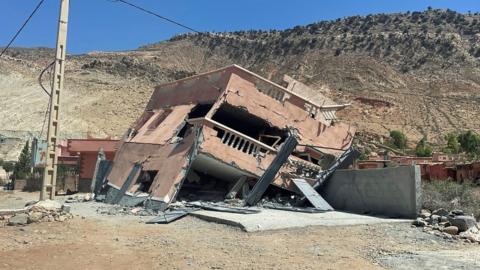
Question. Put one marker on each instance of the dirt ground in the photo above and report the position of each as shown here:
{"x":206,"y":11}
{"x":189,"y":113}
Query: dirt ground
{"x":96,"y":241}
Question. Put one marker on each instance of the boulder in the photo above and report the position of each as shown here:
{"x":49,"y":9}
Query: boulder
{"x":457,"y":212}
{"x":424,"y":213}
{"x":48,"y":205}
{"x":452,"y":230}
{"x":435,"y":218}
{"x":66,"y":208}
{"x":35,"y":217}
{"x":440,"y":212}
{"x":419,"y":222}
{"x":18,"y":219}
{"x":463,"y":222}
{"x":471,"y":235}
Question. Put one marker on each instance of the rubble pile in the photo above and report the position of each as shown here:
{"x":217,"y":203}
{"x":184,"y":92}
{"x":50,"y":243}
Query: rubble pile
{"x":113,"y":210}
{"x":449,"y":225}
{"x":42,"y":211}
{"x":79,"y":198}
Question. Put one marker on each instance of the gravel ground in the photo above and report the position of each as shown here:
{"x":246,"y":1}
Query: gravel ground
{"x":100,"y":241}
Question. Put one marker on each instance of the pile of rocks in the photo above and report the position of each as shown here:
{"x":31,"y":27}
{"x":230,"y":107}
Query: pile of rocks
{"x":450,"y":225}
{"x":42,"y":211}
{"x":80,"y":198}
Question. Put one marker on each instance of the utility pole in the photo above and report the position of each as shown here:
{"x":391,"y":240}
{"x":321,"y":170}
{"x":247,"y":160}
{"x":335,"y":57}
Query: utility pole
{"x":50,"y":170}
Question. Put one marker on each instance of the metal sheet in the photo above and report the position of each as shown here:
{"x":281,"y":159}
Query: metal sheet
{"x":312,"y":195}
{"x":167,"y":217}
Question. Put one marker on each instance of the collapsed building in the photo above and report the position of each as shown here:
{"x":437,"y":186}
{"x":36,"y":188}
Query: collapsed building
{"x":215,"y":134}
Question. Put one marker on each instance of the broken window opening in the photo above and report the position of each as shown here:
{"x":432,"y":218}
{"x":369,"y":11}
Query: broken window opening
{"x":200,"y":110}
{"x":145,"y":180}
{"x":247,"y":124}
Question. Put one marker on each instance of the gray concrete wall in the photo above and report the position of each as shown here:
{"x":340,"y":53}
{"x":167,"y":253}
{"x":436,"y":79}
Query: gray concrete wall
{"x":391,"y":192}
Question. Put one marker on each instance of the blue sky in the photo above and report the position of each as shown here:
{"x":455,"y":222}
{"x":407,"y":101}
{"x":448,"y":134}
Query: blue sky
{"x":108,"y":26}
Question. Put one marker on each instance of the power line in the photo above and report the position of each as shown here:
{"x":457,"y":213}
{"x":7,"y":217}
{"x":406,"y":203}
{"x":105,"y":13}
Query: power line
{"x":21,"y":28}
{"x":191,"y":29}
{"x":157,"y":15}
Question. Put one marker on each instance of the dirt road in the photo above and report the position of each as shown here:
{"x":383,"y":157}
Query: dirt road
{"x":125,"y":242}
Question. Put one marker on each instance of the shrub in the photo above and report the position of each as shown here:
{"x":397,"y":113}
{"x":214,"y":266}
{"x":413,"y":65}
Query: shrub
{"x":469,"y":142}
{"x":453,"y":146}
{"x":451,"y":195}
{"x":398,"y":139}
{"x":423,"y":149}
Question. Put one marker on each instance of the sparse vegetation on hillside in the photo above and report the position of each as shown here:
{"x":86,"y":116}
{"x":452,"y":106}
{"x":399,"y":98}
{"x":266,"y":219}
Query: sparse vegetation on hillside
{"x":409,"y":41}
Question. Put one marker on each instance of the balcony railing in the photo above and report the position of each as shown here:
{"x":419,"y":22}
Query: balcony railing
{"x":235,"y":139}
{"x":246,"y":144}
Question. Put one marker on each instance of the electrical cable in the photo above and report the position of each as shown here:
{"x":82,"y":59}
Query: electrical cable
{"x":156,"y":15}
{"x":40,"y":78}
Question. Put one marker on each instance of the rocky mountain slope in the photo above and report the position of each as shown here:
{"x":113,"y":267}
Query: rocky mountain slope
{"x":418,"y":72}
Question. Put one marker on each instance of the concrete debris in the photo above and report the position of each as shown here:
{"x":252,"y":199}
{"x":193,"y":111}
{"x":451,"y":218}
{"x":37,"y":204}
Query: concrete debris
{"x":48,"y":205}
{"x":113,"y":210}
{"x":449,"y":225}
{"x":292,"y":208}
{"x":18,"y":219}
{"x":80,"y":198}
{"x":42,"y":211}
{"x":224,"y":208}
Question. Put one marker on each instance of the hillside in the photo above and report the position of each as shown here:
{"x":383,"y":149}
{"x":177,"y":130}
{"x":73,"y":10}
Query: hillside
{"x":418,"y":72}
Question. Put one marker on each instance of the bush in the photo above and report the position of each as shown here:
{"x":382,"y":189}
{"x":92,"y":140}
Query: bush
{"x":469,"y":142}
{"x":423,"y":149}
{"x":453,"y":146}
{"x":451,"y":195}
{"x":398,"y":139}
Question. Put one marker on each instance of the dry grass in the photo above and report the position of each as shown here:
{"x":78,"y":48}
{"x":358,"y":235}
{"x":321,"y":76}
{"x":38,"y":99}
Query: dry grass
{"x":451,"y":195}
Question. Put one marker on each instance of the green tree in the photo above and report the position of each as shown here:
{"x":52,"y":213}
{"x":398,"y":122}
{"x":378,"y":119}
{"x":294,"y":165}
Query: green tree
{"x":398,"y":139}
{"x":453,"y":146}
{"x":423,"y":148}
{"x":469,"y":142}
{"x":8,"y":167}
{"x":23,"y":166}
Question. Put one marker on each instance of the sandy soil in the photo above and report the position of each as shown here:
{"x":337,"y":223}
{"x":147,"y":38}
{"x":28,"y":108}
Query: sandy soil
{"x":125,"y":242}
